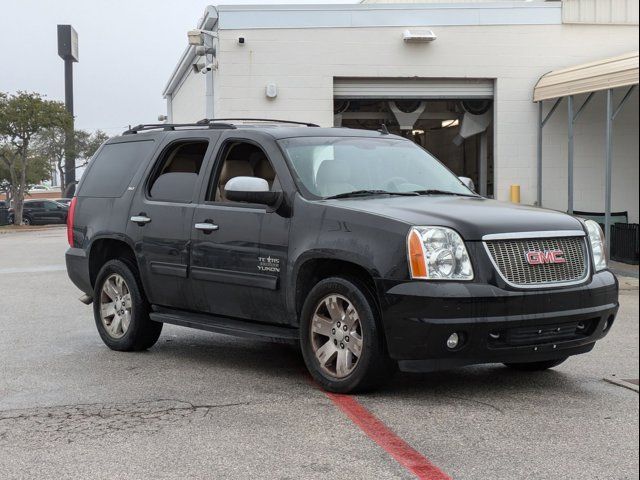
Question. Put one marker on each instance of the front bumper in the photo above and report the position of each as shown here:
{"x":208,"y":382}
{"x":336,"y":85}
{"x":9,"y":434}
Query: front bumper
{"x":497,"y":325}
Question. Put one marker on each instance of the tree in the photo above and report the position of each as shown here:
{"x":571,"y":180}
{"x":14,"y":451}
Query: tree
{"x":23,"y":116}
{"x":51,"y":144}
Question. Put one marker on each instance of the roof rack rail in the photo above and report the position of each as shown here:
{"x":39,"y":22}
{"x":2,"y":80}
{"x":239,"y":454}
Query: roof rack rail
{"x":172,"y":126}
{"x":206,"y":121}
{"x":213,"y":123}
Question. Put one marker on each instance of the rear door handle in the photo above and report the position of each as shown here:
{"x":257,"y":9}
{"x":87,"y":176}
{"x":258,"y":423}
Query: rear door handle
{"x":141,"y":219}
{"x":206,"y":227}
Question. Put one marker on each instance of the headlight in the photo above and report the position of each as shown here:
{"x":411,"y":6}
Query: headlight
{"x":438,"y":253}
{"x":598,"y":245}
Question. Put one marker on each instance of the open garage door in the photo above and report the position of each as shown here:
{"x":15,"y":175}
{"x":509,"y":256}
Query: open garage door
{"x":452,"y":118}
{"x":413,"y":88}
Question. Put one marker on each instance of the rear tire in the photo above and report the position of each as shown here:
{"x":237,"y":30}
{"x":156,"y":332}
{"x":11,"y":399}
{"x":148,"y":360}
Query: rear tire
{"x":536,"y":366}
{"x":121,"y":310}
{"x":341,"y":341}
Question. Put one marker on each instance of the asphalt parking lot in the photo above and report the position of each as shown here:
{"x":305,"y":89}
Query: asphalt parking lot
{"x":200,"y":405}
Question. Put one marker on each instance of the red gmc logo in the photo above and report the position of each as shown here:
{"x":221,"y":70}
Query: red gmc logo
{"x":548,"y":256}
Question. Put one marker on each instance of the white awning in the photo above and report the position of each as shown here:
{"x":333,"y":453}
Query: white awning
{"x":604,"y":74}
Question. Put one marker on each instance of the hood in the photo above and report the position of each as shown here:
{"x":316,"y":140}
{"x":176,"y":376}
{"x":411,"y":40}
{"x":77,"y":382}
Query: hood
{"x":472,"y":217}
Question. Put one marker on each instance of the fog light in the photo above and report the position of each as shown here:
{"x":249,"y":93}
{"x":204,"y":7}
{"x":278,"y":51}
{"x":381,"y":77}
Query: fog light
{"x":453,"y":341}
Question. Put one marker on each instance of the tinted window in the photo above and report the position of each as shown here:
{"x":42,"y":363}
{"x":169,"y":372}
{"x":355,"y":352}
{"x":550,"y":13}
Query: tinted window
{"x":176,"y":173}
{"x":241,"y":159}
{"x":112,"y":169}
{"x":52,"y":206}
{"x":34,"y":204}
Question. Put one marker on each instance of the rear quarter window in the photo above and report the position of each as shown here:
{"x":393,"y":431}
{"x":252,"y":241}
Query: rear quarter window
{"x":112,"y":169}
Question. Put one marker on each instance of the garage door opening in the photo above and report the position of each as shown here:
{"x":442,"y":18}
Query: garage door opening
{"x":452,"y":119}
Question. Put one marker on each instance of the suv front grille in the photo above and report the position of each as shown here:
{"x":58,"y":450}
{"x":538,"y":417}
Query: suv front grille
{"x":510,"y":258}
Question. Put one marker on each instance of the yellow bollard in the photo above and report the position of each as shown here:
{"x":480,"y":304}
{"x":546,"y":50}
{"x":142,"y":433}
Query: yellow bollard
{"x":515,"y":193}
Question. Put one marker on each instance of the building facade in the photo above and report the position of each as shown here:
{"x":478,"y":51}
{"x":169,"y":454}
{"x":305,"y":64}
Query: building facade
{"x":457,"y":78}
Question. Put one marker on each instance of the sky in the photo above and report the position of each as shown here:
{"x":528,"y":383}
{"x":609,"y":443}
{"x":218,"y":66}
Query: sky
{"x":127,"y":49}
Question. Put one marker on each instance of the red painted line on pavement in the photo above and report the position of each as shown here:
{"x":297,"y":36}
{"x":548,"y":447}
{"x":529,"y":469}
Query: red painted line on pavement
{"x":377,"y":431}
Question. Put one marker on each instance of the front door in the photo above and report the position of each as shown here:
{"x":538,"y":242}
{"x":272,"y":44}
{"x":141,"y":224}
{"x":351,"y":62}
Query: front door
{"x":231,"y":274}
{"x":161,"y":215}
{"x":54,"y":212}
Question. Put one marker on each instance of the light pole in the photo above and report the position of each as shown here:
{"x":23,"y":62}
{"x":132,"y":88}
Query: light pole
{"x":68,"y":51}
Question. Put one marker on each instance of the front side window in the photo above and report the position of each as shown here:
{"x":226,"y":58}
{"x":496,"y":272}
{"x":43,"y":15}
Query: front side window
{"x":330,"y":166}
{"x":240,"y":159}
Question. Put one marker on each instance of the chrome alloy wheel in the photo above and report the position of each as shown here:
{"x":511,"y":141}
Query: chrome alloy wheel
{"x":115,"y":306}
{"x":336,"y":335}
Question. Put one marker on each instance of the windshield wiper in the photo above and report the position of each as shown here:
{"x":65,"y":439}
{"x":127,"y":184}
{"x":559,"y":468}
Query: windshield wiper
{"x":442,"y":192}
{"x":362,"y":193}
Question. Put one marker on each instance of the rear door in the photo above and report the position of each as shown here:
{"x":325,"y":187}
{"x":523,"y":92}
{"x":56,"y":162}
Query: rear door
{"x":36,"y":211}
{"x":161,"y":214}
{"x":232,"y":273}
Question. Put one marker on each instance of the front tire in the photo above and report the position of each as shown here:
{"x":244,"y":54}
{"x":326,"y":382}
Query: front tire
{"x":121,"y":310}
{"x":536,"y":366}
{"x":342,"y":344}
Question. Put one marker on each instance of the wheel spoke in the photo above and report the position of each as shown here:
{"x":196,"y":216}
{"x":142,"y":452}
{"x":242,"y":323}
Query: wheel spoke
{"x":335,"y":309}
{"x":351,"y":316}
{"x":343,"y":362}
{"x":321,"y":325}
{"x":110,"y":289}
{"x":126,"y":320}
{"x":126,"y":300}
{"x":116,"y":325}
{"x":108,"y":309}
{"x":119,"y":285}
{"x":326,"y":352}
{"x":355,"y":344}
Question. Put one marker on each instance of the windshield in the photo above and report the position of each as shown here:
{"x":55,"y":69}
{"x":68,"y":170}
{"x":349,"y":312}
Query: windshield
{"x":335,"y":166}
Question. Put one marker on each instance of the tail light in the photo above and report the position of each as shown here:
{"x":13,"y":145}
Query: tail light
{"x":70,"y":215}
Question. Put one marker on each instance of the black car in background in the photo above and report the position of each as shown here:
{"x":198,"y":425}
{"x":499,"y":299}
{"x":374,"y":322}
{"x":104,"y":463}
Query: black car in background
{"x":41,"y":212}
{"x":63,"y":201}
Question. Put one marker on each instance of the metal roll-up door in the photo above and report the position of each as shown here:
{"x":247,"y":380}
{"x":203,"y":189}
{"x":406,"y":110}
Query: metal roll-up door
{"x":412,"y":88}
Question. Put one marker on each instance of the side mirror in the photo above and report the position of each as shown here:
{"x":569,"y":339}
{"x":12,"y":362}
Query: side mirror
{"x":468,"y":183}
{"x":251,"y":190}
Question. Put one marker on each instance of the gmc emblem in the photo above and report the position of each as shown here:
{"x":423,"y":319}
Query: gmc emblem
{"x":548,"y":256}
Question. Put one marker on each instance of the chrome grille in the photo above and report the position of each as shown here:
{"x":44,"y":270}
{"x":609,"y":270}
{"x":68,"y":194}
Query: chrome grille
{"x":509,"y":256}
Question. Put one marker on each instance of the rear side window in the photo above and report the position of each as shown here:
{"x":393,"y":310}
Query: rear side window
{"x":114,"y":166}
{"x":176,"y":174}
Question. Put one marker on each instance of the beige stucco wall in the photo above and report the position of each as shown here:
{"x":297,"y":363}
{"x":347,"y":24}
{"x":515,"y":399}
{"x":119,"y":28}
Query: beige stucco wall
{"x":303,"y":63}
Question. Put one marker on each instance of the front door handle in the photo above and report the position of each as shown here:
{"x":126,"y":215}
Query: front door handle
{"x":140,"y":219}
{"x":207,"y":226}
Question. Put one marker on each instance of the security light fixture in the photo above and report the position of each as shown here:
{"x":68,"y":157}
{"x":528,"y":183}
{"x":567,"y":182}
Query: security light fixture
{"x":196,"y":36}
{"x":418,"y":36}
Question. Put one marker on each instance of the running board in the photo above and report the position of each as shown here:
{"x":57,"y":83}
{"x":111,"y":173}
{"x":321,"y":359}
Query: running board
{"x":226,"y":326}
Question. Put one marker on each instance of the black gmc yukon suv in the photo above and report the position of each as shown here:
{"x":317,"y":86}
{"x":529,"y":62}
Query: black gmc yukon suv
{"x":358,"y":245}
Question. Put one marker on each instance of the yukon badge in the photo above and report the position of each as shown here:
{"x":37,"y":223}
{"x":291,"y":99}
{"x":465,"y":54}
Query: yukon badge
{"x":269,"y":264}
{"x":537,"y":257}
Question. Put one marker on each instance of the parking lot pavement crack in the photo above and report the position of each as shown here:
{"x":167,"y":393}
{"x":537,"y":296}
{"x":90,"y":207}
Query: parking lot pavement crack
{"x":477,"y":402}
{"x":70,"y":423}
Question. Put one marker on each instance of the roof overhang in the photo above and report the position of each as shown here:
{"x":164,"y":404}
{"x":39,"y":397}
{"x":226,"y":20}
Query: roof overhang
{"x":614,"y":72}
{"x":208,"y":22}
